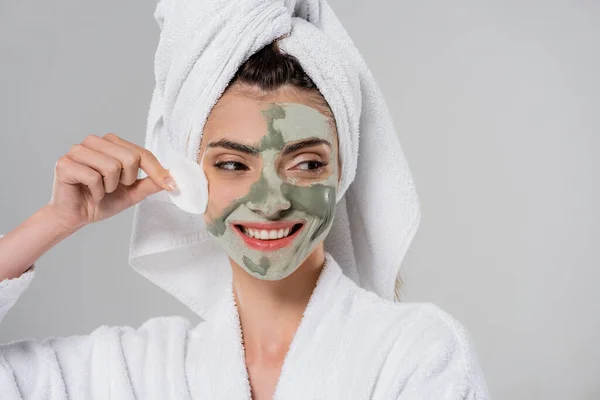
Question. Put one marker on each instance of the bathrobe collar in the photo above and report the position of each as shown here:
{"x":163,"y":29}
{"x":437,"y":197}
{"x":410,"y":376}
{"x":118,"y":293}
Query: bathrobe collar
{"x":223,"y":327}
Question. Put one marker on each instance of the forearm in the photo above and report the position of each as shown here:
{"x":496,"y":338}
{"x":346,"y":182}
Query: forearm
{"x":22,"y":246}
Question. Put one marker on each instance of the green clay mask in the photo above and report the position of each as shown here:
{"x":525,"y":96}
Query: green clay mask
{"x":304,"y":211}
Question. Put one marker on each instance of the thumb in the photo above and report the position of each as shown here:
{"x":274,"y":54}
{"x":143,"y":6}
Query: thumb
{"x":141,"y":189}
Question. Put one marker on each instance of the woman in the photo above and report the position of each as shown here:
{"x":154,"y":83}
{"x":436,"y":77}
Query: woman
{"x":291,"y":324}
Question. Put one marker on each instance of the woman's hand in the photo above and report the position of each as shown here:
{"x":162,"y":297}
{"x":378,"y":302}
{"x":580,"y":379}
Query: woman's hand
{"x":97,"y":179}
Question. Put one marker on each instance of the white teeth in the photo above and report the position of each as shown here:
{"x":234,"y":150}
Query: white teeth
{"x":265,"y":234}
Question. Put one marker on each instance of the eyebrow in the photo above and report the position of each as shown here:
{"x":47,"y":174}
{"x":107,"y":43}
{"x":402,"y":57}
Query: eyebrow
{"x":305,"y":143}
{"x":228,"y":144}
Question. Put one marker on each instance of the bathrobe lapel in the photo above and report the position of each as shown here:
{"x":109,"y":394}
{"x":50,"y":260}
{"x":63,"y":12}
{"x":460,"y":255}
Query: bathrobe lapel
{"x":227,"y":367}
{"x":303,"y":369}
{"x":217,"y":369}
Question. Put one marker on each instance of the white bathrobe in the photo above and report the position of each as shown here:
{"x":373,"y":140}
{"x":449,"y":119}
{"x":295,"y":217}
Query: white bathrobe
{"x":351,"y":344}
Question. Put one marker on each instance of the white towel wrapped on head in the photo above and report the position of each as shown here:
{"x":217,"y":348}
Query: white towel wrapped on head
{"x":202,"y":44}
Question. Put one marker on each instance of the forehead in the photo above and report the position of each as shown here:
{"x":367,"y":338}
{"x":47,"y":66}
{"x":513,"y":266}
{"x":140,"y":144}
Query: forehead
{"x":247,"y":120}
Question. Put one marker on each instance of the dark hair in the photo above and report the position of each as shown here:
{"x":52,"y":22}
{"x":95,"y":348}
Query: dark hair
{"x":270,"y":69}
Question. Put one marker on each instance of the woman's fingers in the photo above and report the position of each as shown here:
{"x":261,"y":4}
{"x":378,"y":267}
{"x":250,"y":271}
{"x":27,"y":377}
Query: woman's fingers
{"x":99,"y":166}
{"x":71,"y":172}
{"x":141,"y":189}
{"x":148,"y":162}
{"x":101,"y":163}
{"x":109,"y":167}
{"x":129,"y":159}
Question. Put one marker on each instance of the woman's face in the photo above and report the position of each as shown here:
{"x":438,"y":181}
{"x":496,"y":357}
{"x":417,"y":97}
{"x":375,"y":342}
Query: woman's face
{"x":272,"y":170}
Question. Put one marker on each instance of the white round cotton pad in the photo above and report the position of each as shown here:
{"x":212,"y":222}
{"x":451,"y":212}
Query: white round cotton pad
{"x":191,"y":194}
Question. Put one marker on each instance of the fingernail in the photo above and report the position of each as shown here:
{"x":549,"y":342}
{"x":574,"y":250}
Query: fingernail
{"x":170,"y":183}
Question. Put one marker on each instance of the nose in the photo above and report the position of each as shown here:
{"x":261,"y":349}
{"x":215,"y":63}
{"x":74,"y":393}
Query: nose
{"x":272,"y":202}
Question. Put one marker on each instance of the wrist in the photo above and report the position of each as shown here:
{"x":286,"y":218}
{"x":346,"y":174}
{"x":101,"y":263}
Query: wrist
{"x":54,"y":223}
{"x":24,"y":245}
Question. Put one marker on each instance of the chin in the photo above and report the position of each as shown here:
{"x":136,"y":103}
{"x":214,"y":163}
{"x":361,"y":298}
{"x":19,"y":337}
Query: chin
{"x":274,"y":275}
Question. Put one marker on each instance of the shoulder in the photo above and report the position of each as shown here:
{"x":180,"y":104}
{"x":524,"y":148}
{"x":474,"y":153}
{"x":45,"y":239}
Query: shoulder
{"x":439,"y":335}
{"x":424,"y":321}
{"x":162,"y":341}
{"x":444,"y":354}
{"x":422,"y":327}
{"x":415,"y":326}
{"x":430,"y":323}
{"x":443,"y":351}
{"x":429,"y":347}
{"x":156,"y":328}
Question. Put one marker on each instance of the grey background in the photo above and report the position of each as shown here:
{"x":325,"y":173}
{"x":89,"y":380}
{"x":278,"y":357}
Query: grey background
{"x":497,"y":109}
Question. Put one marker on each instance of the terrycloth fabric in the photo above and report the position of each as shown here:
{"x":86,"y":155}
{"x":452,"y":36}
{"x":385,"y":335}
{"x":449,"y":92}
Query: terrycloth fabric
{"x":350,"y":345}
{"x":202,"y":44}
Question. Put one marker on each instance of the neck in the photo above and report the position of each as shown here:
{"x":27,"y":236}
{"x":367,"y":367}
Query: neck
{"x":270,"y":311}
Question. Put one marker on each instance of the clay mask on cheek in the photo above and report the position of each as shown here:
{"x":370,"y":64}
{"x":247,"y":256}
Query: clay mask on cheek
{"x":273,"y":228}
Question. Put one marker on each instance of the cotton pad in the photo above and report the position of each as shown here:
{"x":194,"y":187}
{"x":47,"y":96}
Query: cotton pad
{"x":191,"y":194}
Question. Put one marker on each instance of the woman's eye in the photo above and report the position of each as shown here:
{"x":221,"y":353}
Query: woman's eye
{"x":231,"y":166}
{"x":311,"y":165}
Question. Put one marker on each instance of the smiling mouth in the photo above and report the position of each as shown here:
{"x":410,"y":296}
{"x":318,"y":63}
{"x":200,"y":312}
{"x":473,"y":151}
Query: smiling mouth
{"x":269,"y":234}
{"x":268,"y":237}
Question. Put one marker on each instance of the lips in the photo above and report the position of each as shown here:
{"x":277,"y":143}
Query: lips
{"x":268,"y":236}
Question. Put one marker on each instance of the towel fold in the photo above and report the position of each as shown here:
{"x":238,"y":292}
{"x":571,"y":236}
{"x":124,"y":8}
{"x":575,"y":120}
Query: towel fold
{"x":201,"y":46}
